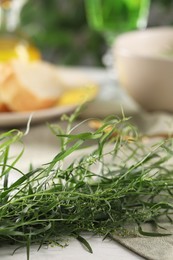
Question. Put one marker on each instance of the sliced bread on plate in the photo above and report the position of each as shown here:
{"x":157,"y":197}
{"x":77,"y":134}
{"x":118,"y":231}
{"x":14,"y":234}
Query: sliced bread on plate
{"x":29,"y":86}
{"x":3,"y":106}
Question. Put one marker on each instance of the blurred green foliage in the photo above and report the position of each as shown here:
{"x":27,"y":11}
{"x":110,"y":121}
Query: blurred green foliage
{"x":59,"y":29}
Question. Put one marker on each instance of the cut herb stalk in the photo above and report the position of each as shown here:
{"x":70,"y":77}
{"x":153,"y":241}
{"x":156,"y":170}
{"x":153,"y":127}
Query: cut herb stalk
{"x":117,"y":184}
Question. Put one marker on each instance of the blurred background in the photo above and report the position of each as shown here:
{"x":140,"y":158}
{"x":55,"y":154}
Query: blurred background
{"x":59,"y":29}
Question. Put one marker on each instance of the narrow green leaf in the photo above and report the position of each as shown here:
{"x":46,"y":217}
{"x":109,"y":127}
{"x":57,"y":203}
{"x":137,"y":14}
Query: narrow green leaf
{"x":152,"y":234}
{"x":85,"y":243}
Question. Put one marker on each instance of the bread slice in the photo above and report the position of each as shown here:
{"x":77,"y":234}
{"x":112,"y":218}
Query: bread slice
{"x":3,"y":106}
{"x":29,"y":86}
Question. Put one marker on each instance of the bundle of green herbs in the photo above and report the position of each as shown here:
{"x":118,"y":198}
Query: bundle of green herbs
{"x":103,"y":190}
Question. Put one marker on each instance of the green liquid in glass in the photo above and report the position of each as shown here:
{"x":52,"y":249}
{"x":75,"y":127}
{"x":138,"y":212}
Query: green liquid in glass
{"x":116,"y":16}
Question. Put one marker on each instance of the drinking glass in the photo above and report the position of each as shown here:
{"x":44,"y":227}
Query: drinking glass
{"x":14,"y":44}
{"x":112,"y":17}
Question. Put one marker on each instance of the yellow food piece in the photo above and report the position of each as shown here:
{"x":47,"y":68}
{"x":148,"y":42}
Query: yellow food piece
{"x":78,"y":95}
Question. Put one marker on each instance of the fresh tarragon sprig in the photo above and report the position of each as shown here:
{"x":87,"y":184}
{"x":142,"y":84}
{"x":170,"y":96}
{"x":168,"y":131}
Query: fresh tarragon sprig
{"x":101,"y":190}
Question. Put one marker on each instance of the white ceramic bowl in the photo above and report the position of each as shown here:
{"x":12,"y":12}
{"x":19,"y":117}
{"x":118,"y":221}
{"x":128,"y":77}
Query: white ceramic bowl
{"x":144,"y":64}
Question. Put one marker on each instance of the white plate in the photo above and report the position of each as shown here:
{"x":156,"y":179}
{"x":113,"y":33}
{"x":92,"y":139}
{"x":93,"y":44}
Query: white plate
{"x":16,"y":119}
{"x":79,"y":89}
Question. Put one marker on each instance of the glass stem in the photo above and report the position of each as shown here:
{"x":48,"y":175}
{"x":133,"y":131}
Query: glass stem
{"x":3,"y":19}
{"x":144,"y":14}
{"x":10,"y":15}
